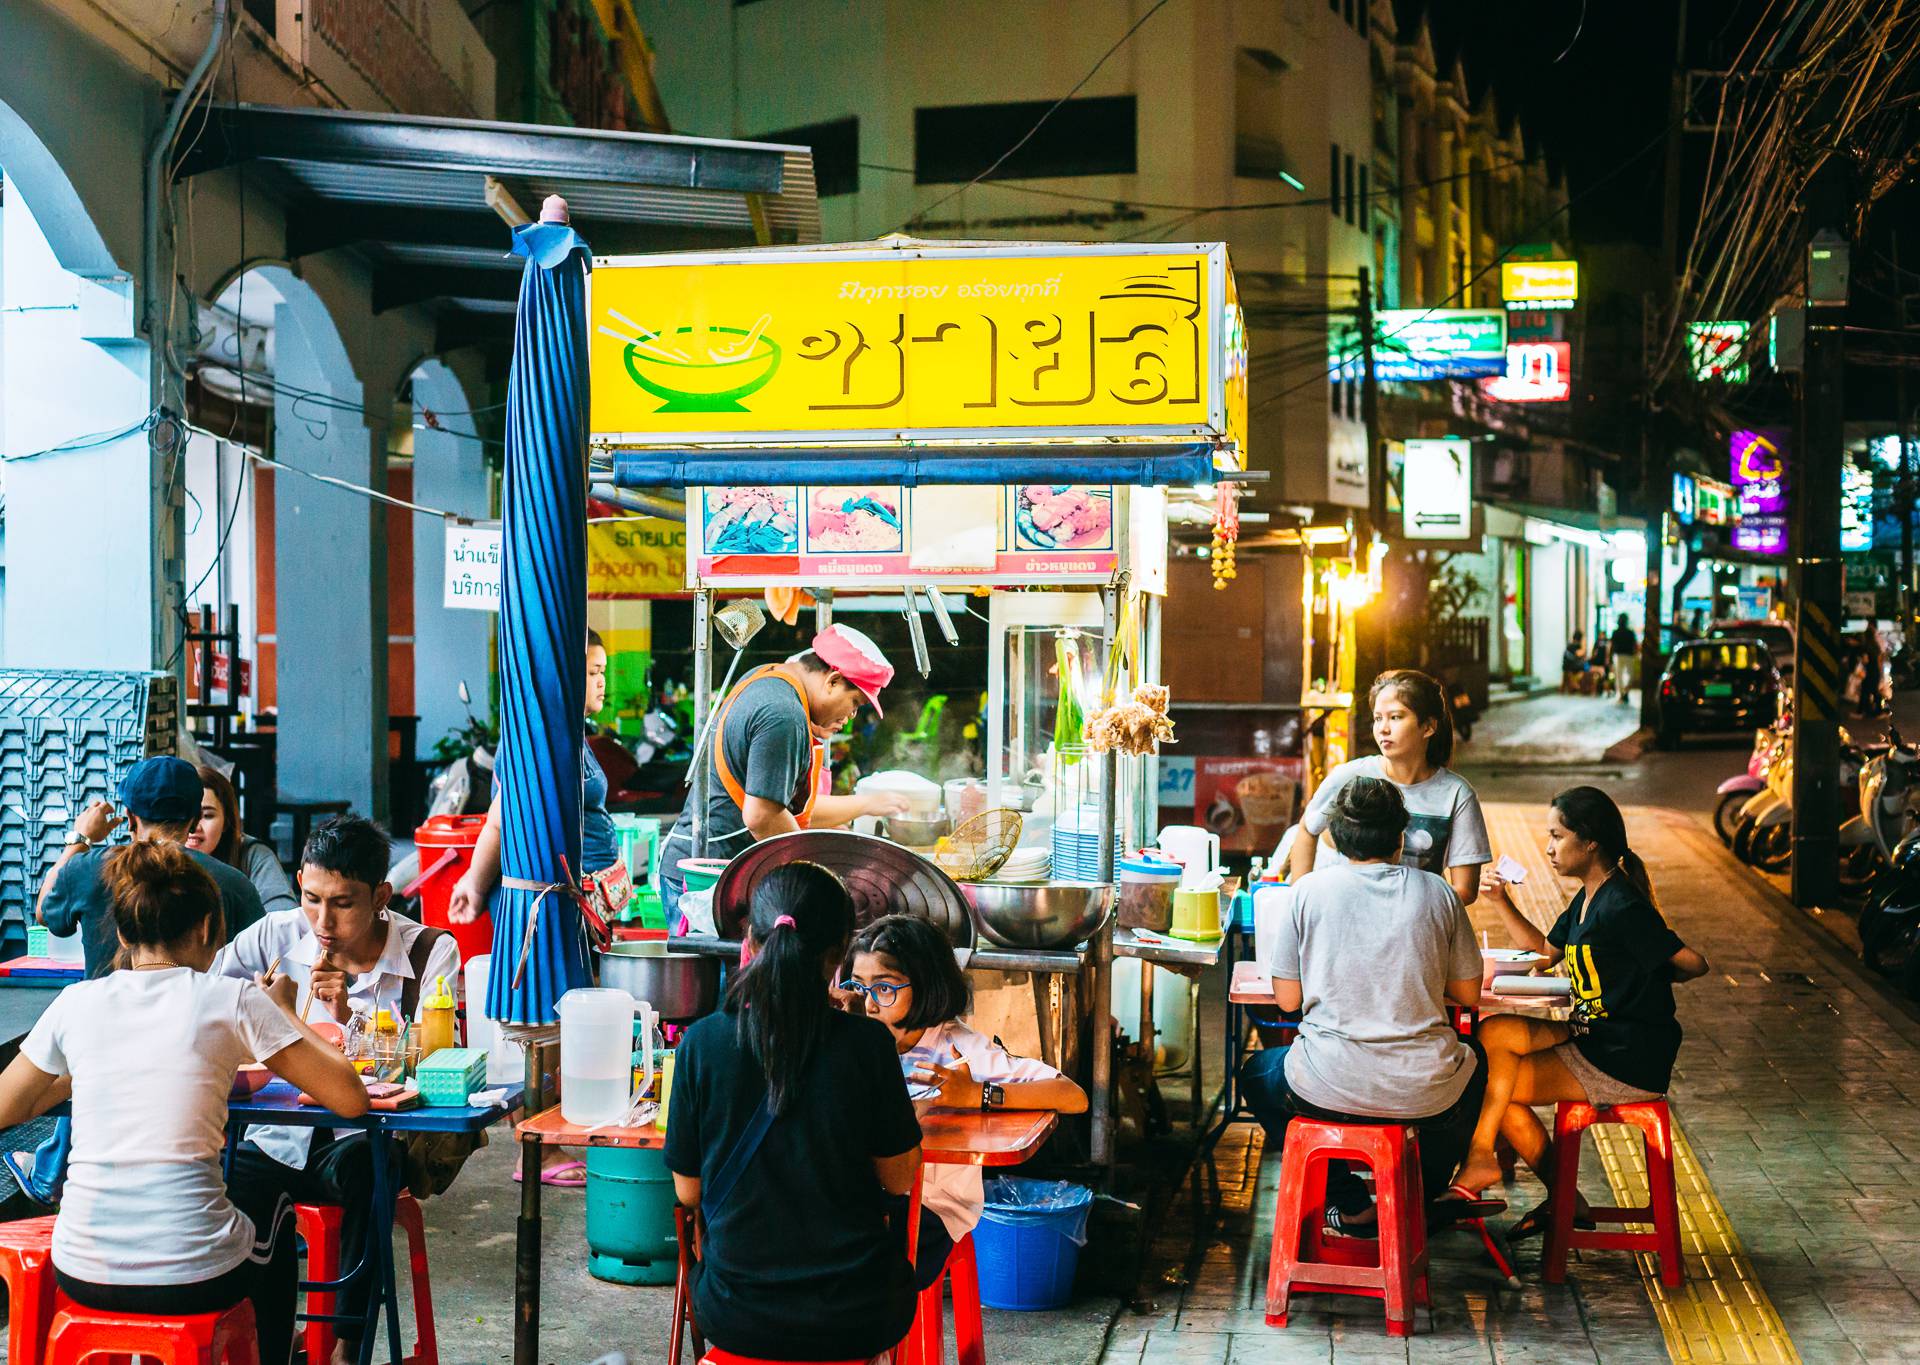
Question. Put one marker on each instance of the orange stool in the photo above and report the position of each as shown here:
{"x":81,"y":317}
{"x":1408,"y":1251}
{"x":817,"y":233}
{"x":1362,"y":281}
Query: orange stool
{"x":26,"y":1268}
{"x":1662,"y":1211}
{"x":928,"y":1344}
{"x":227,"y":1338}
{"x":319,"y":1227}
{"x":1304,"y":1261}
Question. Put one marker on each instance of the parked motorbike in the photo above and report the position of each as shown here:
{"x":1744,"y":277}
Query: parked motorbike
{"x":1736,"y":791}
{"x":1890,"y":922}
{"x":1763,"y":836}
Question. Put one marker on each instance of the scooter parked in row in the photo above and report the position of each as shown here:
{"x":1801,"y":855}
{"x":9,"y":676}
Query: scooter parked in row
{"x":1890,"y":923}
{"x":1763,"y":831}
{"x":1736,"y":791}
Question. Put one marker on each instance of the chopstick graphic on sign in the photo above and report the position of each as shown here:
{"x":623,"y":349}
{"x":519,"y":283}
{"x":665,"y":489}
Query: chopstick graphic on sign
{"x":646,"y":340}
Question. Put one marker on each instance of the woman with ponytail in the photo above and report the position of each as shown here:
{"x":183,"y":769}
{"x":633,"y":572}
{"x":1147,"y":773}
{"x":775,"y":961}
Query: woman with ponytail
{"x":791,"y":1134}
{"x":1622,"y":958}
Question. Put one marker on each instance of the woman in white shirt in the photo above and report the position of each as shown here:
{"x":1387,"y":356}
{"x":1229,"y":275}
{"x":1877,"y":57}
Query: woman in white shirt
{"x":149,"y":1054}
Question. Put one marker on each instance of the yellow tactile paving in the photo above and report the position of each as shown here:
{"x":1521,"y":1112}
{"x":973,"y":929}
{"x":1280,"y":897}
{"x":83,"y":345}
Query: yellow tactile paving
{"x":1720,"y":1313}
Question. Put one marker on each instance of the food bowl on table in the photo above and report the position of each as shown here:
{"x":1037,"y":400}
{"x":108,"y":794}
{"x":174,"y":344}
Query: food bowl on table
{"x":705,"y":369}
{"x":1505,"y":962}
{"x":1038,"y":914}
{"x":249,"y":1080}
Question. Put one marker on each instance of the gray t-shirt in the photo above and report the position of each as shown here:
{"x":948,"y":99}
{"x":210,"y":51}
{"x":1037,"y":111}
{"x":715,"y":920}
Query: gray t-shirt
{"x":1444,"y":825}
{"x":769,"y":749}
{"x":262,"y":866}
{"x":1373,"y":946}
{"x":78,"y":900}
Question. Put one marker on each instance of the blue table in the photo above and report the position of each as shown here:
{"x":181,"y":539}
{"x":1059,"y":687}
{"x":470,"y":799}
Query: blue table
{"x":279,"y":1103}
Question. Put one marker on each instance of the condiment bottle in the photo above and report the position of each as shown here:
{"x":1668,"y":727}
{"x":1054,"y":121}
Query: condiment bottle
{"x":436,"y":1019}
{"x":386,"y":1043}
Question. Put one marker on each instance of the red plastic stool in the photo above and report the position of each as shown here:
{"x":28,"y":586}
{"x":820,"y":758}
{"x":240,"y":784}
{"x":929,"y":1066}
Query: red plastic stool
{"x":27,"y":1271}
{"x":1393,"y":1267}
{"x":717,"y":1356}
{"x":319,"y":1228}
{"x":928,"y":1344}
{"x":227,"y":1338}
{"x":1662,"y":1210}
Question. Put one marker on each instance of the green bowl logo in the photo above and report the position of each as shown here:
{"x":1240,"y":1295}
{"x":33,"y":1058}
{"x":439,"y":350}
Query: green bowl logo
{"x":721,"y":366}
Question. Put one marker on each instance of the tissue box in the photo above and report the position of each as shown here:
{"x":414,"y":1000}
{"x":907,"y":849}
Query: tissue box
{"x":450,"y":1075}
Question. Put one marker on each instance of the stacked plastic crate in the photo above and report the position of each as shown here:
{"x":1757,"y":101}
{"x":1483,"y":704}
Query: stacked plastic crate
{"x":66,"y":739}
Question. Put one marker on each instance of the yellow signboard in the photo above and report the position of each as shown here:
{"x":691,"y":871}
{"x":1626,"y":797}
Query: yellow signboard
{"x":1540,"y":284}
{"x":914,"y":342}
{"x":636,"y":557}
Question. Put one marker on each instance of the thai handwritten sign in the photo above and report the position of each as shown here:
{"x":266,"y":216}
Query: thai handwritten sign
{"x":473,"y":568}
{"x":897,"y":343}
{"x":636,"y":557}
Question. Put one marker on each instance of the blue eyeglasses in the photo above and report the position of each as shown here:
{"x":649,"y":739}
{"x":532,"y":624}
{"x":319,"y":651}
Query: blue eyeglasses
{"x":882,"y":993}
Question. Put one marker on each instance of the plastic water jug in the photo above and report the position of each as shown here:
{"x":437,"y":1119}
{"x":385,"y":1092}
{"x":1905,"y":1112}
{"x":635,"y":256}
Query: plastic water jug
{"x":1196,"y":849}
{"x":596,"y":1055}
{"x":505,"y":1064}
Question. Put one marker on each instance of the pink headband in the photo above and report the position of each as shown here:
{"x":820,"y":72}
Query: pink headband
{"x":786,"y":920}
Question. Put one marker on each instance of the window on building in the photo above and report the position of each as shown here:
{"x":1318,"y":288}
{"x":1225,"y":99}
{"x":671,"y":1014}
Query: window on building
{"x":1350,"y":19}
{"x":1366,"y":200}
{"x":1259,"y":114}
{"x":836,"y":153}
{"x":1352,"y":214}
{"x":1333,"y":178}
{"x":955,"y":143}
{"x":1361,"y":16}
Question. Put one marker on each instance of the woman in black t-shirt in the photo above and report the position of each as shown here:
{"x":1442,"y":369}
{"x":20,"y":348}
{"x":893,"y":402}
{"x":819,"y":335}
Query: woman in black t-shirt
{"x":1622,"y":958}
{"x":790,"y":1130}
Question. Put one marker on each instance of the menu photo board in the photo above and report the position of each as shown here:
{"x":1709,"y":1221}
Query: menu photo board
{"x":881,"y":535}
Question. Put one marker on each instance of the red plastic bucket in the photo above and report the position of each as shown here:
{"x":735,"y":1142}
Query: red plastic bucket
{"x":446,"y":844}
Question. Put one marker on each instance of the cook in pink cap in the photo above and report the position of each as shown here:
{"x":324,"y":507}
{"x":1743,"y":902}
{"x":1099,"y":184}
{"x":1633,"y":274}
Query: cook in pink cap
{"x":856,"y":658}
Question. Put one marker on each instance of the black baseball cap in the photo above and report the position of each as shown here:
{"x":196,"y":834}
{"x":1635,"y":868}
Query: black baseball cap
{"x":162,"y":790}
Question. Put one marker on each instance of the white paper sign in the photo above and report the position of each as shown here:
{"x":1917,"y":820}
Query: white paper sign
{"x":473,"y":568}
{"x":1436,"y":496}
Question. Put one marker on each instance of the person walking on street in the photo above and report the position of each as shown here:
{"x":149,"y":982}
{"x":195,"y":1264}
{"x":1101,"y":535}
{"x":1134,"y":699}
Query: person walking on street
{"x":1625,"y":650}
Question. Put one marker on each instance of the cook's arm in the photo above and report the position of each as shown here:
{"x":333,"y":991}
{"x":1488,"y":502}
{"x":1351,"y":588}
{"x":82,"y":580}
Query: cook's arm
{"x":764,"y":819}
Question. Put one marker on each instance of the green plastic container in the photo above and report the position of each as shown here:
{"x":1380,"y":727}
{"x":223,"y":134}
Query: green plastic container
{"x":630,"y":1236}
{"x":450,"y":1075}
{"x":701,"y":873}
{"x":39,"y":940}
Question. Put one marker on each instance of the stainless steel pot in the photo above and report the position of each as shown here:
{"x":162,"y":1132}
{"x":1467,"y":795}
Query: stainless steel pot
{"x":679,"y":986}
{"x":1038,"y":914}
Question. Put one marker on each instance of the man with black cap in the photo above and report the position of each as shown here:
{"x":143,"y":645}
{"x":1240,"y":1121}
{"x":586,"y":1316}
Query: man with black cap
{"x":162,"y":799}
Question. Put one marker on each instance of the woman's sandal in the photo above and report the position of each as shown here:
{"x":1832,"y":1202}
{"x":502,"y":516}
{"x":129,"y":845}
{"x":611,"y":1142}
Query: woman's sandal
{"x":1534,"y":1222}
{"x":1460,"y":1203}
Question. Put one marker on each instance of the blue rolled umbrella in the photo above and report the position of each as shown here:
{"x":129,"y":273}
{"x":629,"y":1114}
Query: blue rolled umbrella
{"x":539,"y":941}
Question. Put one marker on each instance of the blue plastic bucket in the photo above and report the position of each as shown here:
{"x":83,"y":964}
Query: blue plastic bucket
{"x":1028,"y":1242}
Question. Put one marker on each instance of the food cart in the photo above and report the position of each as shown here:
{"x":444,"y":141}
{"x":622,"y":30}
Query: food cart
{"x":916,"y":417}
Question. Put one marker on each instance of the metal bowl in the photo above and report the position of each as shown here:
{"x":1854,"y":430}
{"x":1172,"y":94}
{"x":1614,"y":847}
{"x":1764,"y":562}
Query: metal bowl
{"x":1038,"y":914}
{"x":912,"y":833}
{"x":678,"y":985}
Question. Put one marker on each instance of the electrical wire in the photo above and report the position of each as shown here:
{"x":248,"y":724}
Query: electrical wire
{"x":1052,"y":109}
{"x":93,"y":440}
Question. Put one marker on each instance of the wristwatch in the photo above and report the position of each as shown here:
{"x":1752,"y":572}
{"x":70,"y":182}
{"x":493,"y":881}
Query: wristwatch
{"x":992,"y":1096}
{"x":76,"y":837}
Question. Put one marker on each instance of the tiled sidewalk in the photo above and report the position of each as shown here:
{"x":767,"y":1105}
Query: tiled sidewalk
{"x":1797,"y":1092}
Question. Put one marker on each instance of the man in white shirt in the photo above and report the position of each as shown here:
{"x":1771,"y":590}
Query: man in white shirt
{"x":349,"y":959}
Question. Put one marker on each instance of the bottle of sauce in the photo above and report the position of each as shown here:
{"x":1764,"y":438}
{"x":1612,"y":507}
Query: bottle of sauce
{"x":436,"y":1019}
{"x":386,"y":1045}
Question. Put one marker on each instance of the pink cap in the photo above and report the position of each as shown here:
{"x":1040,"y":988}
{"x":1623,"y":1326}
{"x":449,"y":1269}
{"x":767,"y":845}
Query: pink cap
{"x":855,"y":658}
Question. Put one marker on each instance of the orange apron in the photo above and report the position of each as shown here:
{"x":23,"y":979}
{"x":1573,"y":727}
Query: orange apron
{"x":731,"y":784}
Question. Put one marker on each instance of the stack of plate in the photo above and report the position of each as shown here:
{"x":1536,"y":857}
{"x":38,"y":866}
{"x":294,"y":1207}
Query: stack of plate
{"x":1026,"y":865}
{"x":1076,"y":846}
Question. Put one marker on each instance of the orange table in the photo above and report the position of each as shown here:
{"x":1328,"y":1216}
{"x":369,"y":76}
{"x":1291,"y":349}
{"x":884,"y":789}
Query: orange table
{"x":972,"y":1137}
{"x":549,"y":1129}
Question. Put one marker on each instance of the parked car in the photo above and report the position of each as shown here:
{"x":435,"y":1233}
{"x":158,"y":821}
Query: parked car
{"x":1717,"y":685}
{"x":1777,"y":635}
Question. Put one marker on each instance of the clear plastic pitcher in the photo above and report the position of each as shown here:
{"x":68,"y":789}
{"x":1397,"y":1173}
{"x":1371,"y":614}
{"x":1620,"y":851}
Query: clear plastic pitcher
{"x":596,"y":1055}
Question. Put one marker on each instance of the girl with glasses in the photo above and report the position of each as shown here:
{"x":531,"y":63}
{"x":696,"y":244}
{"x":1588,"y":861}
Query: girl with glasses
{"x":902,"y":971}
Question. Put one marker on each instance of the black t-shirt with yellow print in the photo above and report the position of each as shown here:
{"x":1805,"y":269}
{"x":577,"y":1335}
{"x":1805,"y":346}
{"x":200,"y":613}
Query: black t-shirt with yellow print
{"x":1619,"y":958}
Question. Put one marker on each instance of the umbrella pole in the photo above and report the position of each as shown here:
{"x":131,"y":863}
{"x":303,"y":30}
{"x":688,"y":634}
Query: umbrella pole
{"x":1102,"y":958}
{"x":702,"y":704}
{"x":526,"y":1250}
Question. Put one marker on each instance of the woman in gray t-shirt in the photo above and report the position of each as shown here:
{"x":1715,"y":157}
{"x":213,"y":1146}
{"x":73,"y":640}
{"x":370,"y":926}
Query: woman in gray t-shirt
{"x":1446,"y":833}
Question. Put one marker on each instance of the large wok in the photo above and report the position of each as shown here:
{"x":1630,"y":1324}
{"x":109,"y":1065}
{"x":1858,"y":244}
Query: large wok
{"x":882,"y":877}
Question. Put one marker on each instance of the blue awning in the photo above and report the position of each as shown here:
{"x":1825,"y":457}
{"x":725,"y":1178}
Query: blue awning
{"x":1191,"y":463}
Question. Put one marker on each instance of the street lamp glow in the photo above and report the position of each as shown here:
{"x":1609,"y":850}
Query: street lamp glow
{"x":1292,"y":181}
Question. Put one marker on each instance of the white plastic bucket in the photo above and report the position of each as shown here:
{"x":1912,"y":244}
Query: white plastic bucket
{"x":505,"y":1065}
{"x":596,"y":1055}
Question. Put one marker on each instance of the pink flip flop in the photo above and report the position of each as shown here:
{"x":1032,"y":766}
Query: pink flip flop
{"x":562,"y":1176}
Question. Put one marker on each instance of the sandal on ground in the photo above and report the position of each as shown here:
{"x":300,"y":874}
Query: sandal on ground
{"x":1460,"y":1203}
{"x":1534,"y":1221}
{"x":568,"y":1175}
